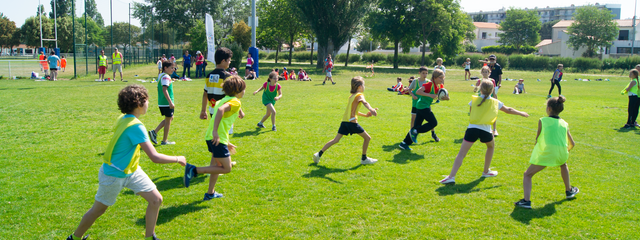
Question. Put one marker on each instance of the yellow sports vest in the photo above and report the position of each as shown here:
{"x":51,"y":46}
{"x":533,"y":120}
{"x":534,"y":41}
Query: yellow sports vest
{"x":121,"y":125}
{"x":485,"y":114}
{"x":348,"y":112}
{"x":103,"y":60}
{"x":634,"y":89}
{"x":117,"y":59}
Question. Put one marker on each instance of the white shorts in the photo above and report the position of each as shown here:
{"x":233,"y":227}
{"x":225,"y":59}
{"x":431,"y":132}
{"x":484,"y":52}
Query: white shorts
{"x":328,"y":74}
{"x":110,"y":187}
{"x":117,"y":66}
{"x":495,"y":90}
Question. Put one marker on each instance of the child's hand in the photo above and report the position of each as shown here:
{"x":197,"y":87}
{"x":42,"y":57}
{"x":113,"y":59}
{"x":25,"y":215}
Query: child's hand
{"x":203,"y":115}
{"x":241,"y":114}
{"x":172,"y":106}
{"x":445,"y":98}
{"x":276,"y":98}
{"x":216,"y":139}
{"x":524,"y":114}
{"x":182,"y":160}
{"x":254,"y":93}
{"x":414,"y":97}
{"x":373,"y":112}
{"x":232,"y":148}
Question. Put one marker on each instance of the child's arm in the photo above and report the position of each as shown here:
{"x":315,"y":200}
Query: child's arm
{"x":523,"y":90}
{"x":412,"y":86}
{"x":571,"y":142}
{"x":279,"y":93}
{"x":166,"y":95}
{"x":216,"y":122}
{"x":159,"y":157}
{"x":257,"y":91}
{"x":631,"y":85}
{"x":372,"y":111}
{"x":509,"y":110}
{"x":539,"y":130}
{"x":421,"y":92}
{"x":240,"y":114}
{"x":205,"y":100}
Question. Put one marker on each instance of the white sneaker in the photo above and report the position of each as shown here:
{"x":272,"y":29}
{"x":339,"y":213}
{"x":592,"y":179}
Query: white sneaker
{"x":448,"y":180}
{"x":167,"y":143}
{"x":490,"y":174}
{"x":495,"y":133}
{"x":316,"y":158}
{"x":368,"y":161}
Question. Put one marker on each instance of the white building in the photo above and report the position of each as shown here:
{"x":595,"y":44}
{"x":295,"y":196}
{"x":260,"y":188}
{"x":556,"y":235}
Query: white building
{"x":547,"y":14}
{"x":486,"y":34}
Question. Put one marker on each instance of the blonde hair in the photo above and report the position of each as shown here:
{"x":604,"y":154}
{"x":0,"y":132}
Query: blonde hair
{"x":486,"y":89}
{"x":438,"y":60}
{"x":485,"y":68}
{"x":436,"y":74}
{"x":356,"y":82}
{"x":634,"y":72}
{"x":560,"y":65}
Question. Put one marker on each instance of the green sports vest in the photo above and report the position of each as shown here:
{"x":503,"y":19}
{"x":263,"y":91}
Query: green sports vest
{"x":634,"y":89}
{"x":415,"y":89}
{"x":269,"y":96}
{"x":551,"y":149}
{"x":424,"y":101}
{"x":162,"y":100}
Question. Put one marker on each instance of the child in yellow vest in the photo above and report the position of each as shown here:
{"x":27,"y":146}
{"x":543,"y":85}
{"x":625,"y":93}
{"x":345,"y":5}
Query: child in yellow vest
{"x":350,"y":124}
{"x":553,"y":143}
{"x":120,"y":168}
{"x":484,"y":112}
{"x":226,"y":111}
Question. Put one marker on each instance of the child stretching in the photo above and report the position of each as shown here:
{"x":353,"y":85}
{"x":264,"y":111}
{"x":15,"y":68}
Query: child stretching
{"x":413,"y":88}
{"x":165,"y":103}
{"x":439,"y":66}
{"x":350,"y":124}
{"x":483,"y":112}
{"x":269,"y":98}
{"x":553,"y":143}
{"x":467,"y":69}
{"x":423,"y":108}
{"x":397,"y":87}
{"x":226,"y":111}
{"x":121,"y":163}
{"x":485,"y":72}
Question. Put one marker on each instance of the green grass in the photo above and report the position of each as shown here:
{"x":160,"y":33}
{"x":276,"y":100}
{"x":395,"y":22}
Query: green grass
{"x":53,"y":134}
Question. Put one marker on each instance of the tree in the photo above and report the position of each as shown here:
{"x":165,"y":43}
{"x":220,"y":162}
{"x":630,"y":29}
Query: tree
{"x":92,"y":11}
{"x":7,"y":30}
{"x":480,"y":18}
{"x":63,"y":8}
{"x":241,"y":34}
{"x":332,"y":21}
{"x":198,"y":35}
{"x":520,"y":27}
{"x":95,"y":33}
{"x":31,"y":30}
{"x":461,"y":28}
{"x":121,"y":33}
{"x":593,"y":28}
{"x":65,"y":33}
{"x":272,"y":34}
{"x":366,"y":43}
{"x":392,"y":20}
{"x":40,"y":10}
{"x":546,"y":31}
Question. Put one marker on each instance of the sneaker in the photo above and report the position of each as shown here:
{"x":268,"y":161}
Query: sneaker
{"x":260,"y":125}
{"x":490,"y":174}
{"x":154,"y":237}
{"x":153,"y":136}
{"x":316,"y":158}
{"x":572,"y":193}
{"x":189,"y":173}
{"x":208,"y":197}
{"x":549,"y":96}
{"x":414,"y":135}
{"x":435,"y":137}
{"x":404,"y":146}
{"x":448,"y":180}
{"x":438,"y":101}
{"x":495,"y":133}
{"x":71,"y":237}
{"x":636,"y":124}
{"x":273,"y":128}
{"x":167,"y":143}
{"x":233,"y":163}
{"x":323,"y":83}
{"x":627,"y":126}
{"x":523,"y":204}
{"x":333,"y":83}
{"x":368,"y":161}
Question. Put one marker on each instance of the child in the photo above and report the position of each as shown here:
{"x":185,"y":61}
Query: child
{"x":484,"y":71}
{"x":634,"y":101}
{"x":159,"y":65}
{"x":483,"y":112}
{"x":213,"y":85}
{"x":269,"y":98}
{"x":165,"y":103}
{"x":63,"y":63}
{"x":277,"y":71}
{"x":485,"y":61}
{"x":328,"y":67}
{"x":233,"y":71}
{"x":553,"y":143}
{"x":174,"y":74}
{"x":555,"y":80}
{"x":413,"y":88}
{"x":121,"y":167}
{"x":292,"y":75}
{"x":350,"y":124}
{"x":423,"y":108}
{"x":226,"y":111}
{"x":467,"y":69}
{"x":519,"y":88}
{"x":249,"y":66}
{"x":397,"y":87}
{"x":371,"y":66}
{"x":439,"y":66}
{"x":285,"y":74}
{"x":251,"y":76}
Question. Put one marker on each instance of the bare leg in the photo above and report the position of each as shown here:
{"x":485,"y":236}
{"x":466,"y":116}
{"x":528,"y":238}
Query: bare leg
{"x":160,"y":126}
{"x":464,"y":149}
{"x":365,"y":144}
{"x":217,"y":166}
{"x":151,"y":217}
{"x":489,"y":155}
{"x":526,"y":181}
{"x":271,"y":108}
{"x":90,"y":217}
{"x":167,"y":125}
{"x":564,"y":171}
{"x":333,"y":141}
{"x":266,"y":115}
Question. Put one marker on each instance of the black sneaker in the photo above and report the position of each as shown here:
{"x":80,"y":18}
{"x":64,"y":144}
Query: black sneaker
{"x":323,"y":83}
{"x":71,"y":237}
{"x":334,"y":83}
{"x":435,"y":137}
{"x":572,"y":193}
{"x":523,"y":204}
{"x":153,"y":136}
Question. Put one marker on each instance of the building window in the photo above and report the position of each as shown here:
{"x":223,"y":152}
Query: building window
{"x":624,"y":50}
{"x":484,"y":35}
{"x":623,"y":35}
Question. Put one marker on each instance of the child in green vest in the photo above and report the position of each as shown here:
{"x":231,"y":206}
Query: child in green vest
{"x":350,"y":124}
{"x":165,"y":103}
{"x":483,"y":112}
{"x":413,"y":88}
{"x":120,"y":168}
{"x":226,"y":111}
{"x":272,"y":93}
{"x":553,"y":143}
{"x":634,"y":100}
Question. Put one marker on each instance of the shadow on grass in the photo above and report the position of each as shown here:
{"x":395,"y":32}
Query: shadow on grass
{"x":168,"y":214}
{"x":322,"y":172}
{"x":254,"y":132}
{"x":405,"y":157}
{"x":525,"y":216}
{"x":624,"y":130}
{"x":458,"y":141}
{"x":466,"y":188}
{"x":171,"y":183}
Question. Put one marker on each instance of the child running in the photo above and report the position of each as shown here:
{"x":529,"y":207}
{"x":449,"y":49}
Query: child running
{"x":269,"y":98}
{"x":226,"y":111}
{"x":423,"y":108}
{"x":121,"y":169}
{"x":328,"y":67}
{"x":165,"y":103}
{"x":63,"y":63}
{"x":555,"y":80}
{"x":553,"y":143}
{"x":350,"y":124}
{"x":483,"y":112}
{"x":413,"y":88}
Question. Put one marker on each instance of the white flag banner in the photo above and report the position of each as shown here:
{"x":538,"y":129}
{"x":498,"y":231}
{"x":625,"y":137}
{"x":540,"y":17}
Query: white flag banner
{"x":211,"y":47}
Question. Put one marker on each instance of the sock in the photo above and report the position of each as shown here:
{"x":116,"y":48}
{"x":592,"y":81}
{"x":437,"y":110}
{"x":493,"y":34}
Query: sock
{"x":320,"y":153}
{"x":149,"y":238}
{"x":364,"y":157}
{"x":74,"y":237}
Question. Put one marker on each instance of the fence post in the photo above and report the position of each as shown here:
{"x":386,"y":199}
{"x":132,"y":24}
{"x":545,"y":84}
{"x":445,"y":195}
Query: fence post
{"x":9,"y":69}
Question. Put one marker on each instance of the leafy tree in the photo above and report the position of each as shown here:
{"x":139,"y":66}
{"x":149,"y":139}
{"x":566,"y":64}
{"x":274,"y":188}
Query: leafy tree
{"x":242,"y":34}
{"x":65,"y":33}
{"x":546,"y":32}
{"x":121,"y":33}
{"x":7,"y":30}
{"x":459,"y":28}
{"x":520,"y":27}
{"x":92,"y":11}
{"x":480,"y":18}
{"x":332,"y":21}
{"x":198,"y":35}
{"x":392,"y":20}
{"x":31,"y":30}
{"x":63,"y":8}
{"x":95,"y":33}
{"x":593,"y":28}
{"x":40,"y":10}
{"x":366,"y":42}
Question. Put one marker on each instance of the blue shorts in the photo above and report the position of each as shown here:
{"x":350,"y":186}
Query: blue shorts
{"x":220,"y":151}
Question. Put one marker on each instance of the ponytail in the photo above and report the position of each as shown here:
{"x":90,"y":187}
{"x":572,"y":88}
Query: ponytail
{"x":483,"y":99}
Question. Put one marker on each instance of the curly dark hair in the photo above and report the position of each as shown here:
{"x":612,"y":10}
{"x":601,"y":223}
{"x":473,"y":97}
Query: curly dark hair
{"x":132,"y":97}
{"x":233,"y":85}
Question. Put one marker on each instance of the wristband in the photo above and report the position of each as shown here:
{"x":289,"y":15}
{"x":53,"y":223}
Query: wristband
{"x":176,"y":159}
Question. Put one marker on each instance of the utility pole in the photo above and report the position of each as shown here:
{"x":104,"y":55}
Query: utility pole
{"x":111,"y":16}
{"x":40,"y":14}
{"x":55,"y":22}
{"x":633,"y":36}
{"x":253,"y":23}
{"x":73,"y":20}
{"x":129,"y":34}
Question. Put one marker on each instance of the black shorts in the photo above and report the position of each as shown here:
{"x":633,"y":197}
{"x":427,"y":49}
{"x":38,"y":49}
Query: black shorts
{"x":220,"y":151}
{"x":348,"y":128}
{"x":53,"y":69}
{"x":248,"y":68}
{"x":166,"y":111}
{"x":467,"y":70}
{"x":414,"y":110}
{"x":473,"y":134}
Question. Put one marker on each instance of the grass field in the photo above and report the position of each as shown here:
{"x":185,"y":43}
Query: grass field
{"x":53,"y":135}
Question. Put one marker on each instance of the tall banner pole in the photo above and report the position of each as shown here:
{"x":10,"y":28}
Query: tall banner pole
{"x":253,"y":50}
{"x":211,"y":44}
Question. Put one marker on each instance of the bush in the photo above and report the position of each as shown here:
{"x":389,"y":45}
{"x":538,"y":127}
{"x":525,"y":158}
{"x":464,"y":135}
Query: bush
{"x":609,"y":63}
{"x":567,"y":62}
{"x":470,"y":47}
{"x":627,"y":62}
{"x":352,"y":57}
{"x":528,"y":62}
{"x":262,"y":55}
{"x":375,"y":57}
{"x":238,"y":54}
{"x":508,"y":49}
{"x":584,"y":64}
{"x":304,"y":56}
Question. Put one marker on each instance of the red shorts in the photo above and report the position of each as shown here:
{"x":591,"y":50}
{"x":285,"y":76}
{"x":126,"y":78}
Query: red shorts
{"x":102,"y":69}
